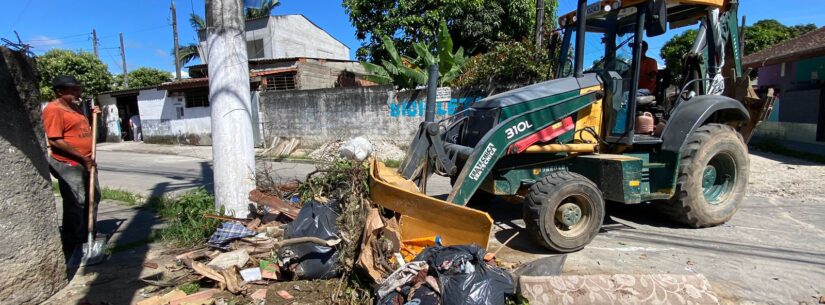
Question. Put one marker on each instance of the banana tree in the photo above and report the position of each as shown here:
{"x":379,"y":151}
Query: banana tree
{"x":407,"y":73}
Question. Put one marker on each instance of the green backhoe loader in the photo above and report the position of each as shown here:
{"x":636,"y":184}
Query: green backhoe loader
{"x":565,"y":146}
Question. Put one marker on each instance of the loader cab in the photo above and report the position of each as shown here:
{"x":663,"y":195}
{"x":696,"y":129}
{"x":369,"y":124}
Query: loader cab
{"x":611,"y":46}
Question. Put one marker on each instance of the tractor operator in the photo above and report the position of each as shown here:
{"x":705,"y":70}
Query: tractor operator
{"x":648,"y":72}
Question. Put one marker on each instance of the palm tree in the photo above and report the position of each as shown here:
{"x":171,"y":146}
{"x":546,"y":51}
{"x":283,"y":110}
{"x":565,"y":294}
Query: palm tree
{"x":197,"y":22}
{"x":191,"y":52}
{"x":264,"y":10}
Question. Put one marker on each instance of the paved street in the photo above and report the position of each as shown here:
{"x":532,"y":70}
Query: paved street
{"x":771,"y":252}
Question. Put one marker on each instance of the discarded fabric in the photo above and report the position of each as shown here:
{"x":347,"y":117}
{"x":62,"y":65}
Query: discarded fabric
{"x":228,"y":231}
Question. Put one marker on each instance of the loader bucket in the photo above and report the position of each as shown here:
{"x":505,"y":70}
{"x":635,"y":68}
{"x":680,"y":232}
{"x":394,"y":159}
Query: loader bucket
{"x":423,"y":216}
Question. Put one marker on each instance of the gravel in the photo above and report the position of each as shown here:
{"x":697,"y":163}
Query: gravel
{"x":777,"y":176}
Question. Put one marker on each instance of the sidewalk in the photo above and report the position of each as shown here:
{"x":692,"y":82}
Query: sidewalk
{"x":116,"y":280}
{"x":200,"y":152}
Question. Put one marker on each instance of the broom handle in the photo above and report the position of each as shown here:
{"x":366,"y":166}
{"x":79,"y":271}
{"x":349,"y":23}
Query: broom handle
{"x":91,"y":196}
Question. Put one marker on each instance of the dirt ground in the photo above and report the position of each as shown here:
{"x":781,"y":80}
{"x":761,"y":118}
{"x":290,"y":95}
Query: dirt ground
{"x":777,"y":176}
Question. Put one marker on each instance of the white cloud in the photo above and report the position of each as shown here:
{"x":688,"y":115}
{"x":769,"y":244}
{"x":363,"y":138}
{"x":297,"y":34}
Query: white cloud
{"x":42,"y":41}
{"x":161,"y":53}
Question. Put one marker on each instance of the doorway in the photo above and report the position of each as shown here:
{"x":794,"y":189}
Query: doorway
{"x":127,"y":107}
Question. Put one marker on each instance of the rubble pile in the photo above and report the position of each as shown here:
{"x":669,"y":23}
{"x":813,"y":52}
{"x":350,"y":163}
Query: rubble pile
{"x":383,"y":151}
{"x":323,"y":241}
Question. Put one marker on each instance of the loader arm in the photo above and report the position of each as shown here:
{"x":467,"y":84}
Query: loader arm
{"x":513,"y":136}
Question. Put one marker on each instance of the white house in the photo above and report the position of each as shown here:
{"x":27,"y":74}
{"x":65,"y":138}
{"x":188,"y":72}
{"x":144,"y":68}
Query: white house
{"x":287,"y":36}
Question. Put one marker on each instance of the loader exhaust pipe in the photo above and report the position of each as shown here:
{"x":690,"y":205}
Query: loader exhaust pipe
{"x":581,"y":27}
{"x":432,"y":86}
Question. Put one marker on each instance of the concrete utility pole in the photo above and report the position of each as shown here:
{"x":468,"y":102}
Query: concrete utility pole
{"x":123,"y":60}
{"x":539,"y":22}
{"x":95,"y":43}
{"x":230,"y":97}
{"x":175,"y":33}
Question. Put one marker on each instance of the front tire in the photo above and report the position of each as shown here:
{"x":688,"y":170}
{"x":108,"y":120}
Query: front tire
{"x":713,"y":177}
{"x":564,"y":211}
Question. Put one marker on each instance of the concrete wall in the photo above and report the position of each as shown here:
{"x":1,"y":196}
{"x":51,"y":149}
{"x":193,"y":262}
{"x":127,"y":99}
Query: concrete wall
{"x":162,"y":124}
{"x":317,"y":75}
{"x":378,"y":113}
{"x":30,"y":256}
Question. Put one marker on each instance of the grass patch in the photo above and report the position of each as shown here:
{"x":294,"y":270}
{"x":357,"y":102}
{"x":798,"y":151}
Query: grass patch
{"x":121,"y":195}
{"x":775,"y":147}
{"x":391,"y":163}
{"x":55,"y":187}
{"x":186,"y":225}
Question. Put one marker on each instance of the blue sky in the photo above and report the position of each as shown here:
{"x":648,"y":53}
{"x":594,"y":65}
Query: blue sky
{"x":146,"y":24}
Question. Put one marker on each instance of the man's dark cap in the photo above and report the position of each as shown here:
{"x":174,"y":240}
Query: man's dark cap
{"x":65,"y":82}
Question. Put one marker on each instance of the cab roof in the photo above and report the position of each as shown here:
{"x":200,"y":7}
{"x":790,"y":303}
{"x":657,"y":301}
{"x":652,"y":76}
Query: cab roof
{"x":680,"y":12}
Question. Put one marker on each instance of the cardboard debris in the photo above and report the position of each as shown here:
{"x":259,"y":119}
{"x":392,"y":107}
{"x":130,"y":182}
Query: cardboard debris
{"x":274,"y":203}
{"x":237,"y":258}
{"x":259,"y":295}
{"x":285,"y":295}
{"x":163,"y":299}
{"x":227,"y":278}
{"x":200,"y":298}
{"x":377,"y":262}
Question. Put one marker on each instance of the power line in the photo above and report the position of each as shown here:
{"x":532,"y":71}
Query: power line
{"x":18,"y":16}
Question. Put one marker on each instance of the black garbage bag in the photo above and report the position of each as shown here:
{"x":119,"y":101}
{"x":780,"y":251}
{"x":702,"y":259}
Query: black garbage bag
{"x":464,"y":277}
{"x":308,"y":260}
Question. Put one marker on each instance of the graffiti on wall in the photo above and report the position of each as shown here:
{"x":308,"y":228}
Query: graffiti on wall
{"x":417,"y":108}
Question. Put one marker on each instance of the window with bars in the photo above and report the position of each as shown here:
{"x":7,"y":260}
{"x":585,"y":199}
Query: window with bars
{"x":280,"y":81}
{"x":197,"y":99}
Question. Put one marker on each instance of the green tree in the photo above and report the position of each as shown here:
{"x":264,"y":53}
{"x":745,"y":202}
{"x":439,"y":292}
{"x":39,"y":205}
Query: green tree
{"x":190,"y":52}
{"x":675,"y":49}
{"x":766,"y":33}
{"x":761,"y":35}
{"x":144,"y":77}
{"x":88,"y":69}
{"x":406,"y":72}
{"x":475,"y":25}
{"x":508,"y":65}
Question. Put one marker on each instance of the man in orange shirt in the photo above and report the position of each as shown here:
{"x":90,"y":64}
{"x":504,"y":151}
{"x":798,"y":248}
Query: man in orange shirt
{"x":648,"y":71}
{"x":70,"y":139}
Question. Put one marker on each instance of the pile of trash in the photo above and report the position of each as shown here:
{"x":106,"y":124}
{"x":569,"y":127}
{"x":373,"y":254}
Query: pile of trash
{"x":325,"y":232}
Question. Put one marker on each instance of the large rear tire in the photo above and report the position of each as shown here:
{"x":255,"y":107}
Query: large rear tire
{"x":713,"y":177}
{"x":564,"y":211}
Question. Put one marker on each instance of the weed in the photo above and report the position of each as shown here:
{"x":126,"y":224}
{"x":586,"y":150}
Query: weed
{"x":392,"y":163}
{"x":187,"y":227}
{"x":190,"y":288}
{"x":55,"y":187}
{"x":120,"y":195}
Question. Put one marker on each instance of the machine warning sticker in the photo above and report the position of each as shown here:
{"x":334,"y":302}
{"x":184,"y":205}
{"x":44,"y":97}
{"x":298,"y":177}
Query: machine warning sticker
{"x":482,"y":163}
